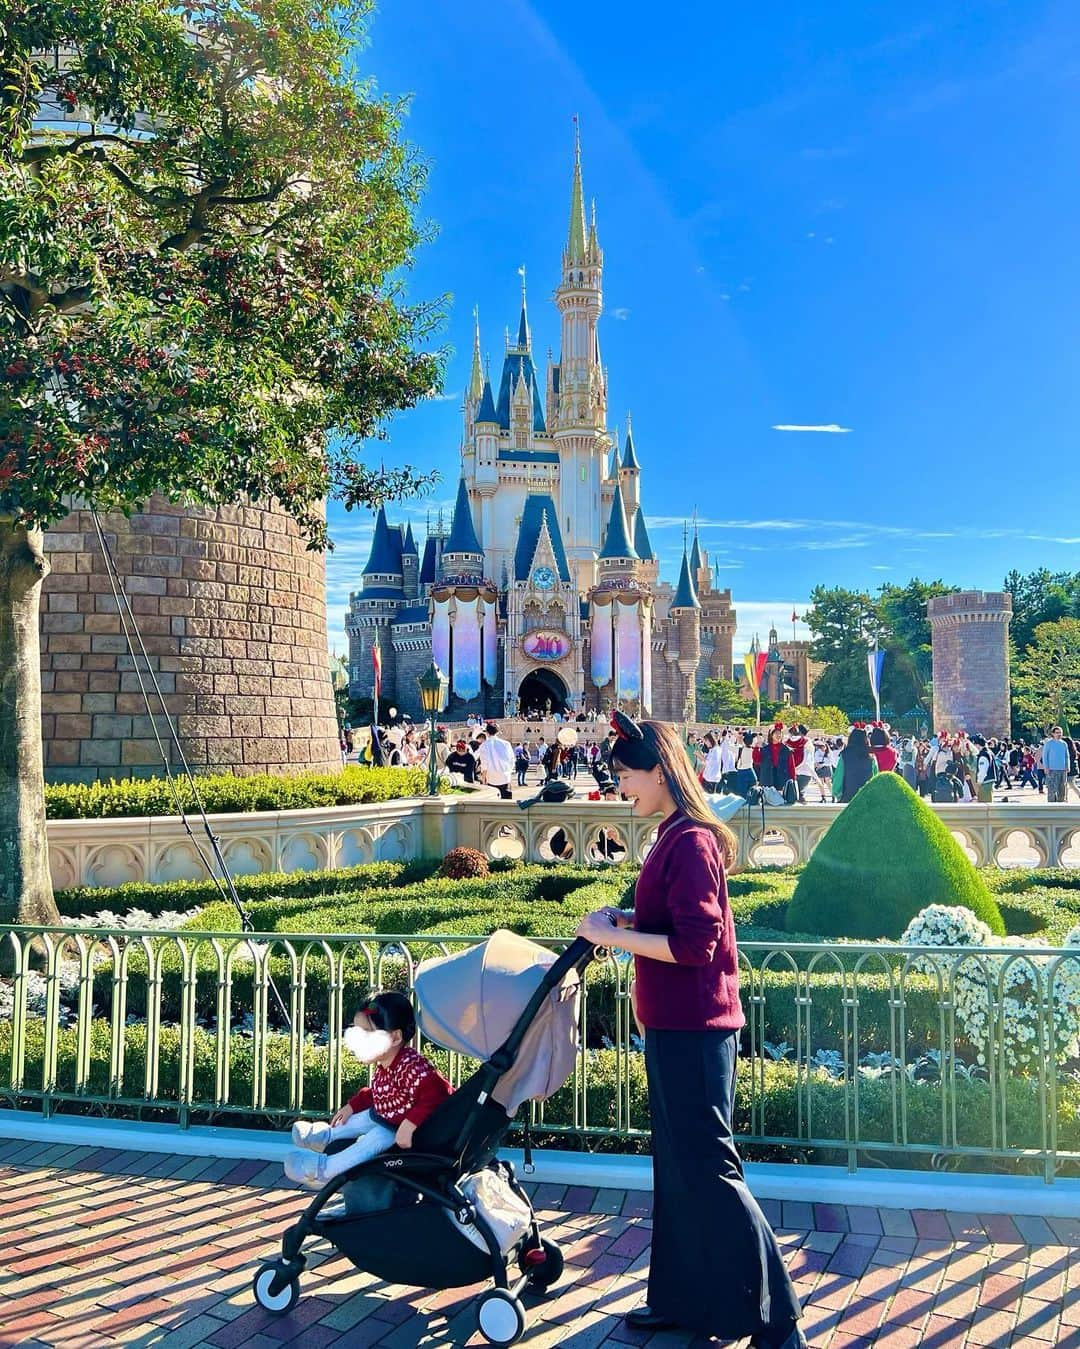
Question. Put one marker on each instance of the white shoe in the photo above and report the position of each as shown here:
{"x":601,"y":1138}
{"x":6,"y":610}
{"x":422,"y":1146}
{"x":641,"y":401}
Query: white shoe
{"x":309,"y":1168}
{"x":313,"y":1134}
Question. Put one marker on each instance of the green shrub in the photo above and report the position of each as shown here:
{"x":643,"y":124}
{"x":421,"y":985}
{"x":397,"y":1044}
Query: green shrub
{"x":226,"y":794}
{"x":296,"y":887}
{"x":885,"y":857}
{"x":776,"y":1100}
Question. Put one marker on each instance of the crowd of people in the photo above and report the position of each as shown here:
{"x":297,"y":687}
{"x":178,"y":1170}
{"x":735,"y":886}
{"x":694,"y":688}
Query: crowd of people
{"x":789,"y":762}
{"x":946,"y":767}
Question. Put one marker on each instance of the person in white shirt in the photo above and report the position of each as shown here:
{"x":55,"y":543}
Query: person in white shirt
{"x":496,"y":757}
{"x":713,"y":771}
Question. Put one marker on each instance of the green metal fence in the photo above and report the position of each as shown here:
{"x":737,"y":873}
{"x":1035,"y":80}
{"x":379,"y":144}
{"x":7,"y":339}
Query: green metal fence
{"x":965,"y":1057}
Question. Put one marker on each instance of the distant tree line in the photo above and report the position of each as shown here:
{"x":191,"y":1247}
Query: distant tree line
{"x":1044,"y":636}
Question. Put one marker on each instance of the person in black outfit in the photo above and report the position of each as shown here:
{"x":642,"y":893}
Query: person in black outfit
{"x":462,"y":760}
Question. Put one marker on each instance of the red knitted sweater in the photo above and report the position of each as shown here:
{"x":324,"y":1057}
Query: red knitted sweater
{"x":682,"y":893}
{"x":408,"y":1089}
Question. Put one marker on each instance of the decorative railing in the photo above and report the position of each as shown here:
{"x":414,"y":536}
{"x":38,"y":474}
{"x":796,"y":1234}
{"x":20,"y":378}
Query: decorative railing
{"x":906,"y":1056}
{"x":109,"y":852}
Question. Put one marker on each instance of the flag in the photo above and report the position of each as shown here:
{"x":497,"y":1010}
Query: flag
{"x":376,"y":665}
{"x":875,"y":659}
{"x":754,"y":663}
{"x":794,"y":616}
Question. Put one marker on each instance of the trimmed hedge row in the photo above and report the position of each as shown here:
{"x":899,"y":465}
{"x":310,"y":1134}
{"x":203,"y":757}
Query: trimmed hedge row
{"x":782,"y":1104}
{"x":225,"y":794}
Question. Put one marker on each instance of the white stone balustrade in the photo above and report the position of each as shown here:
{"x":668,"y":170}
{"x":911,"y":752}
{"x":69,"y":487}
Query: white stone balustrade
{"x":110,"y":852}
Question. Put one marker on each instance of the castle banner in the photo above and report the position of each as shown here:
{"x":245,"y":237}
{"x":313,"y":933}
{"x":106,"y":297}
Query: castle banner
{"x":467,"y":649}
{"x":601,"y":645}
{"x":628,"y":650}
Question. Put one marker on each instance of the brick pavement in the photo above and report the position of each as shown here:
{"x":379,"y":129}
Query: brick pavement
{"x":101,"y":1248}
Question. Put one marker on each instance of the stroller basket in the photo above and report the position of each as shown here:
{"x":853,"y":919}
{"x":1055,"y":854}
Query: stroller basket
{"x":414,"y":1216}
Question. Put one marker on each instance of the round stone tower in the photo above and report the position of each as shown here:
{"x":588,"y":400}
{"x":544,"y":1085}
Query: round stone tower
{"x":970,"y":634}
{"x":232,"y":610}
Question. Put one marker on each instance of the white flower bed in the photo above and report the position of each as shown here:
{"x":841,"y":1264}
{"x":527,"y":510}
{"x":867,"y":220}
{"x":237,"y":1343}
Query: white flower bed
{"x":999,"y":996}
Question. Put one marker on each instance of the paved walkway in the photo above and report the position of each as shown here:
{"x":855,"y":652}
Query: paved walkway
{"x":99,"y":1247}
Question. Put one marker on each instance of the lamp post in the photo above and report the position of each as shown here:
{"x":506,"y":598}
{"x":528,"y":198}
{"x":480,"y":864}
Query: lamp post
{"x":432,"y":685}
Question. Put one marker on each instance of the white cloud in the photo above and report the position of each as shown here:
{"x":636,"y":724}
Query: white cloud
{"x":831,"y":428}
{"x":620,"y":313}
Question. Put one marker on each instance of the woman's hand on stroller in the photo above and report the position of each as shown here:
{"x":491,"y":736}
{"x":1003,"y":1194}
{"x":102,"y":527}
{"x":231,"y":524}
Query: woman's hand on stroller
{"x":342,"y":1116}
{"x":404,"y":1136}
{"x":600,"y":926}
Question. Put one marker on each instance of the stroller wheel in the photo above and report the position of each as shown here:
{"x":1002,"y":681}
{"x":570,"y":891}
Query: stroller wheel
{"x":542,"y":1265}
{"x":276,"y":1289}
{"x":500,"y":1316}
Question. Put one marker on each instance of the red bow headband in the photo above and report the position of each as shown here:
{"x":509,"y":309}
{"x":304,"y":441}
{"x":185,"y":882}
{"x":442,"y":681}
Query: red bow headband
{"x":858,"y":725}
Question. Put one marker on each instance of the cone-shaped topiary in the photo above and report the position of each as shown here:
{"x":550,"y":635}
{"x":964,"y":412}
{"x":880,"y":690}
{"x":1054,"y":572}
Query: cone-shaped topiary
{"x":886,"y":856}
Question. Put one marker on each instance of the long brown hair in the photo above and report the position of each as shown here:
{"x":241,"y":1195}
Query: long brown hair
{"x":664,"y":744}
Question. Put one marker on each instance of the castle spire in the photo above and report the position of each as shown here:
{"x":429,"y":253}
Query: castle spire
{"x":630,"y":459}
{"x":462,"y":530}
{"x":575,"y":243}
{"x":617,"y":541}
{"x":685,"y":591}
{"x":594,"y":241}
{"x":523,"y":338}
{"x":695,"y":552}
{"x":476,"y":375}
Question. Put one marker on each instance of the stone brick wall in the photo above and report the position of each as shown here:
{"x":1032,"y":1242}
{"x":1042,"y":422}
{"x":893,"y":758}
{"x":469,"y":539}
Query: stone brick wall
{"x":969,"y":632}
{"x":232,"y":610}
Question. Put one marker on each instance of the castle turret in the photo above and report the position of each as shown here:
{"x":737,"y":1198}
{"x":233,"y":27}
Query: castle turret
{"x":462,"y":554}
{"x":685,"y":614}
{"x":970,"y":635}
{"x":618,"y":552}
{"x":582,"y":387}
{"x":630,"y":472}
{"x":410,"y":565}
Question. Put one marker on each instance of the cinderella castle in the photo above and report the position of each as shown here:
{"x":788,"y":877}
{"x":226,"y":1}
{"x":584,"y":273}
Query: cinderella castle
{"x":544,"y":593}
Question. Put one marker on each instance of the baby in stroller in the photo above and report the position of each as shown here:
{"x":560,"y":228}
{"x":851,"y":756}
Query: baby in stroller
{"x":405,"y":1089}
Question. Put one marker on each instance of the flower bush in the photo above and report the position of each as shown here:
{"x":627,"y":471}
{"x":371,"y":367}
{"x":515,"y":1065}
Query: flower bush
{"x":460,"y":863}
{"x":1000,"y":998}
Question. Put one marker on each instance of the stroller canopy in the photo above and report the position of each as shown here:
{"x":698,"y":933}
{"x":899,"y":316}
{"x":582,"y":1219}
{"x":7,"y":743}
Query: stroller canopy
{"x":470,"y":1001}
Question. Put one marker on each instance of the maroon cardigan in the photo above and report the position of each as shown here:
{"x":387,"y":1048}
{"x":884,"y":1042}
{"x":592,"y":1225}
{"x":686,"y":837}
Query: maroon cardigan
{"x":682,"y":893}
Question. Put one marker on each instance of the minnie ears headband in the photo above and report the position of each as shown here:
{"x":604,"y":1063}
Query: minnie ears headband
{"x":630,"y":748}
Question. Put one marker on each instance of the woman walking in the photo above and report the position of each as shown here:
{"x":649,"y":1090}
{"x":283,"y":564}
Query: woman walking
{"x":715,"y":1268}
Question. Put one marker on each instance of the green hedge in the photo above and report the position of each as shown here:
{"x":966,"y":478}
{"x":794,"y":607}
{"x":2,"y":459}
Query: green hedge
{"x":298,"y":886}
{"x":783,"y":1102}
{"x":885,"y":857}
{"x":226,"y":794}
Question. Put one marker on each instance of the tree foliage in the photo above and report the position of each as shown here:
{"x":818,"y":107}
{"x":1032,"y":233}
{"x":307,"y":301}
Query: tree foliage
{"x":1046,"y":682}
{"x":831,"y":720}
{"x":200,"y":258}
{"x":1038,"y":597}
{"x":844,"y":623}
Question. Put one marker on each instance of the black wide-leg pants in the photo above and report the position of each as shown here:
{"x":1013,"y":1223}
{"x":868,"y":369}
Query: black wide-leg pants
{"x":715,"y":1265}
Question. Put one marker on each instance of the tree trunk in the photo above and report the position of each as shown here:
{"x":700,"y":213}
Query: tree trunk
{"x":26,"y":894}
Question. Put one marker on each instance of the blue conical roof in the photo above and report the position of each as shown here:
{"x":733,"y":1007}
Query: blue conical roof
{"x":617,"y":542}
{"x":462,"y":530}
{"x":486,"y":411}
{"x":685,"y":594}
{"x":629,"y":457}
{"x":642,"y":546}
{"x":409,"y":546}
{"x":428,"y":567}
{"x":523,"y":327}
{"x":695,"y":556}
{"x":385,"y":558}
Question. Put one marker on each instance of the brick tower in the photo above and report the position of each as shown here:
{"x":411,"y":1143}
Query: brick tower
{"x":970,"y":634}
{"x":232,"y":610}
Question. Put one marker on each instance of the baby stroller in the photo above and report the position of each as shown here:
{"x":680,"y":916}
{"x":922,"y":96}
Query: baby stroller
{"x":446,"y":1212}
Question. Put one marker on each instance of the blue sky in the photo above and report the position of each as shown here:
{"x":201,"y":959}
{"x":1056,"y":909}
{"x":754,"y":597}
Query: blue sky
{"x":856,"y":214}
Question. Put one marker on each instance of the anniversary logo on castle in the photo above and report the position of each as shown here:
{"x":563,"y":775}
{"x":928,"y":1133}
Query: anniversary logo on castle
{"x":545,"y":591}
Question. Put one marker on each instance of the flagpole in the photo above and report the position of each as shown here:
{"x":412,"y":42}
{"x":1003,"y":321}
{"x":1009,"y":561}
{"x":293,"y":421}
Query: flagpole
{"x":877,"y":685}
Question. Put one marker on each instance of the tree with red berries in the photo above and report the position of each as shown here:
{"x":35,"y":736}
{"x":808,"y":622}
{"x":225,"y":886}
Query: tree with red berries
{"x":204,"y":220}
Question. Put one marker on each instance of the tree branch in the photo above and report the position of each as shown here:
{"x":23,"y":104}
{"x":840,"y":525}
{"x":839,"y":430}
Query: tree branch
{"x":38,"y":154}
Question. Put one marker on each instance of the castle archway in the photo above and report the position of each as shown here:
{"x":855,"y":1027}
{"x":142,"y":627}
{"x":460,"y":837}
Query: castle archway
{"x":541,"y":687}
